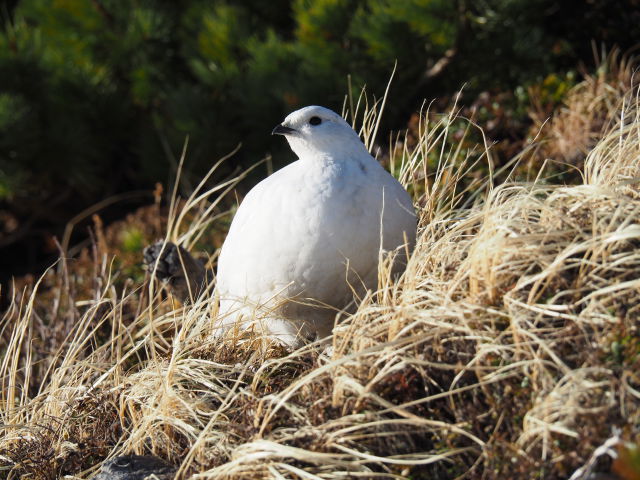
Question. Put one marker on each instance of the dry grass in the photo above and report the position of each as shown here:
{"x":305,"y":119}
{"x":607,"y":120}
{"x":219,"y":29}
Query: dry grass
{"x":509,"y":348}
{"x":588,"y":111}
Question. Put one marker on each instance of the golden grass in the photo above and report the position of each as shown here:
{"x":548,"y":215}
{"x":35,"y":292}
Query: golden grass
{"x":588,"y":111}
{"x":508,"y":349}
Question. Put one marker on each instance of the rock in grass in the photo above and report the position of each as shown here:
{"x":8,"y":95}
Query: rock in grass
{"x":136,"y":467}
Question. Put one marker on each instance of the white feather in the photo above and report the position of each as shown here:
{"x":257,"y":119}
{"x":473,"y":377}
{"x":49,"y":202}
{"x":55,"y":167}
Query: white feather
{"x":296,"y":232}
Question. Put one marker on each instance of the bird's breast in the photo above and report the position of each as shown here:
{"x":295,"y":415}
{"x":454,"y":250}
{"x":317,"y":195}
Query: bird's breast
{"x":301,"y":230}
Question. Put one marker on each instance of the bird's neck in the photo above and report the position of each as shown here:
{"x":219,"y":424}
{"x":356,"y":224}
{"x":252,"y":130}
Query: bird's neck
{"x":329,"y":153}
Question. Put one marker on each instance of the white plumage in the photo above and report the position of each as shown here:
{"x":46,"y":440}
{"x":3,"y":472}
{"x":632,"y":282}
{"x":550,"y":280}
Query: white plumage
{"x":311,"y":233}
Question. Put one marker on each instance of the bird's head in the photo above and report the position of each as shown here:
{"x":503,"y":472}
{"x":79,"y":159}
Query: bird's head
{"x":318,"y":131}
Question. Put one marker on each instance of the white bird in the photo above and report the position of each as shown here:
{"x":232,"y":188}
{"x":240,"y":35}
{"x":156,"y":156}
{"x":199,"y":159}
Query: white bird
{"x":310,"y":235}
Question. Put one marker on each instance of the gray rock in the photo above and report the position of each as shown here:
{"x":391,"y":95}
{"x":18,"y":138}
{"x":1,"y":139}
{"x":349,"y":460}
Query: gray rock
{"x":178,"y":269}
{"x":136,"y":467}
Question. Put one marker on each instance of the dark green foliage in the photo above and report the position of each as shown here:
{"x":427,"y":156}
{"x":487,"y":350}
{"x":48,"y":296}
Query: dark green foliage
{"x":98,"y":96}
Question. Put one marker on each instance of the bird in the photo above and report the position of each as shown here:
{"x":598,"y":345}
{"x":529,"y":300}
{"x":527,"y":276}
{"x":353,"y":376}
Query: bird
{"x":309,"y":236}
{"x":305,"y":242}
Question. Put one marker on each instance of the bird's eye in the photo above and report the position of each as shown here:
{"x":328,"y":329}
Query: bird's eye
{"x":315,"y":121}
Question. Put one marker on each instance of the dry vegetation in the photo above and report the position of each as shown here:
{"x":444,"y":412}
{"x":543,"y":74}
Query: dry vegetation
{"x":509,"y":348}
{"x":590,"y":108}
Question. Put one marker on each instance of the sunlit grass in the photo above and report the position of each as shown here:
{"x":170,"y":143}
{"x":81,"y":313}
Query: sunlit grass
{"x":508,"y":349}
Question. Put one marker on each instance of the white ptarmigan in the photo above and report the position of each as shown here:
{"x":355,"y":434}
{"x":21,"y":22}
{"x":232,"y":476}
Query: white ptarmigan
{"x":310,"y":235}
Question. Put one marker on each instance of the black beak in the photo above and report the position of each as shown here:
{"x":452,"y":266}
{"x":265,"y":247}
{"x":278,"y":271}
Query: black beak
{"x":282,"y":130}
